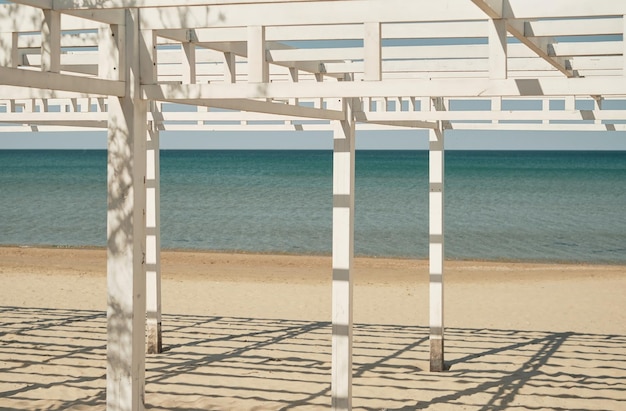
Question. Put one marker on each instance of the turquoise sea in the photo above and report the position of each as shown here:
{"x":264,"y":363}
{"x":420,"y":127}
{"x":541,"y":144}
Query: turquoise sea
{"x":500,"y":205}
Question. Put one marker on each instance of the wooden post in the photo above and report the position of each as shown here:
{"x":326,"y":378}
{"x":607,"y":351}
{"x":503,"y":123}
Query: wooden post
{"x":154,"y":340}
{"x":496,"y":105}
{"x":343,"y":251}
{"x":258,"y":67}
{"x":8,"y":49}
{"x":497,"y":49}
{"x":148,"y":60}
{"x":126,"y":278}
{"x":189,"y":63}
{"x":436,"y":247}
{"x":373,"y":52}
{"x":51,"y":41}
{"x":230,"y":68}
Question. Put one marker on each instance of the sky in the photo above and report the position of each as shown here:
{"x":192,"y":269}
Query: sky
{"x":377,"y":140}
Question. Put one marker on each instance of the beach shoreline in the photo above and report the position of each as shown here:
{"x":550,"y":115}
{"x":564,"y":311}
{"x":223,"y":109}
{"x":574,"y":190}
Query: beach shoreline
{"x":385,"y":288}
{"x":259,"y":324}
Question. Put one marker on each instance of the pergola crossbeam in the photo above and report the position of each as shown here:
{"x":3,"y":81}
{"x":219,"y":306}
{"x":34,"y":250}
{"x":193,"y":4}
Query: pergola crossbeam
{"x":62,"y":82}
{"x":495,"y":9}
{"x":264,"y":107}
{"x":308,"y":12}
{"x":543,"y":87}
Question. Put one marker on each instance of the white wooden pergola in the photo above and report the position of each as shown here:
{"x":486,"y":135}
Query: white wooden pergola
{"x":337,"y":65}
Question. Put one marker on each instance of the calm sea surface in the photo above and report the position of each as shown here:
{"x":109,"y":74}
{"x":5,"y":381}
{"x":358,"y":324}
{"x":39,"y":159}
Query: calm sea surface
{"x":531,"y":206}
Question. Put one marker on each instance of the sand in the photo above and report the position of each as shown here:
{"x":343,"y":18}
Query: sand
{"x":252,"y":332}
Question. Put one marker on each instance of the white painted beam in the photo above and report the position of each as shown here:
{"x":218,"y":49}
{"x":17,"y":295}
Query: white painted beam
{"x":467,"y":66}
{"x":573,"y":27}
{"x":306,"y":13}
{"x":342,"y":257}
{"x":449,"y":51}
{"x":126,"y":237}
{"x":104,"y":16}
{"x":541,"y":9}
{"x":496,"y":10}
{"x":148,"y":57}
{"x":42,"y":4}
{"x":8,"y":49}
{"x":51,"y":118}
{"x":520,"y":8}
{"x":109,"y":58}
{"x":154,"y":339}
{"x":474,"y":59}
{"x":452,"y":87}
{"x":21,"y":93}
{"x":258,"y":68}
{"x":266,"y":107}
{"x":78,"y":126}
{"x":414,"y":119}
{"x":60,"y":82}
{"x":78,"y":40}
{"x":189,"y":63}
{"x":372,"y":44}
{"x":119,"y":4}
{"x":294,"y":74}
{"x":51,"y":41}
{"x":492,"y":8}
{"x":230,"y":67}
{"x":497,"y":49}
{"x":340,"y":54}
{"x":436,"y":248}
{"x":540,"y":127}
{"x":445,"y":29}
{"x":206,"y":50}
{"x":493,"y":114}
{"x":595,"y":48}
{"x":21,"y":18}
{"x":26,"y":128}
{"x":212,"y":116}
{"x":148,"y":72}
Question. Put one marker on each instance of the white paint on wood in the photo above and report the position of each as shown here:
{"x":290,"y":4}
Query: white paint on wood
{"x":294,"y":74}
{"x":479,"y":87}
{"x":436,"y":248}
{"x":258,"y":69}
{"x":51,"y":41}
{"x":230,"y":67}
{"x":43,"y":80}
{"x":148,"y":57}
{"x":342,"y":258}
{"x":8,"y":49}
{"x":153,"y":245}
{"x":306,"y":13}
{"x":189,"y":63}
{"x":497,"y":49}
{"x":148,"y":69}
{"x":109,"y":57}
{"x":126,"y":278}
{"x":372,"y":44}
{"x":151,"y":206}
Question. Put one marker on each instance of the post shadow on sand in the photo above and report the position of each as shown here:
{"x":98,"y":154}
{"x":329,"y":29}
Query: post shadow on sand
{"x":285,"y":364}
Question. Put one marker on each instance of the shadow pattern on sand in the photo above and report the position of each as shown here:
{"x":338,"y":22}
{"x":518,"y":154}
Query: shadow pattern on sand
{"x":55,"y":359}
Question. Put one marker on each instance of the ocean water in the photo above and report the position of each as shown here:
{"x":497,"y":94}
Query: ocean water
{"x":500,"y":205}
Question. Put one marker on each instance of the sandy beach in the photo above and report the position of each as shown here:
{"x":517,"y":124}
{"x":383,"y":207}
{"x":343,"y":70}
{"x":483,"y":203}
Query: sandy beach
{"x":252,"y":332}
